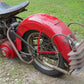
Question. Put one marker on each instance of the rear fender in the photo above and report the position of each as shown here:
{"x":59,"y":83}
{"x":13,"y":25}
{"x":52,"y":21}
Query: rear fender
{"x":48,"y":25}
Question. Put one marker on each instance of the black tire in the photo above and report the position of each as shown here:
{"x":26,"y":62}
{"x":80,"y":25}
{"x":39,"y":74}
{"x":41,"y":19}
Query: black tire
{"x":39,"y":66}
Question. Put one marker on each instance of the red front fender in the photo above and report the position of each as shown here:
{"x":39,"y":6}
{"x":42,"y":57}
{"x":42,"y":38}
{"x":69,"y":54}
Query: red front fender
{"x":48,"y":25}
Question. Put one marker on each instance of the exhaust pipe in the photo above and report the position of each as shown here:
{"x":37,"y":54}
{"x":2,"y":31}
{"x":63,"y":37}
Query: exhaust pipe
{"x":20,"y":57}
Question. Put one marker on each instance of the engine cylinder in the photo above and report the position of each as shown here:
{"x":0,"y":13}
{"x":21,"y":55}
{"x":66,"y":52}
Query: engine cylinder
{"x":7,"y":50}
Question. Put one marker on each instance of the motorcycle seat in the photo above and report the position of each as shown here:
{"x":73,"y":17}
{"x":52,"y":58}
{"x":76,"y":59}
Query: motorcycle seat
{"x":7,"y":10}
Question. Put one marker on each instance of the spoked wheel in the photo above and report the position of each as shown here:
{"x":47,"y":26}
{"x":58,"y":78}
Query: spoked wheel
{"x":50,"y":58}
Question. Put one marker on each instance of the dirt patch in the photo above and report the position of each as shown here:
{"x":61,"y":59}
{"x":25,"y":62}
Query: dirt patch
{"x":13,"y":71}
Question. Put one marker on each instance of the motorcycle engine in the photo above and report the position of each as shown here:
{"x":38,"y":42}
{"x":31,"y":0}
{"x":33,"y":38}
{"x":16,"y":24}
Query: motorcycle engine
{"x":4,"y":25}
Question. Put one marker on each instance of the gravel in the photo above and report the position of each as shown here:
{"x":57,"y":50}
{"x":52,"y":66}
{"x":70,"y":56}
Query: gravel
{"x":13,"y":71}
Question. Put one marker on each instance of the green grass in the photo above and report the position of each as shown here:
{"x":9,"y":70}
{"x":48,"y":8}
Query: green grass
{"x":66,"y":10}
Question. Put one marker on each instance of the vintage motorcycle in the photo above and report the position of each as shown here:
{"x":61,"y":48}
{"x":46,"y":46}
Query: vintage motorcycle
{"x":41,"y":40}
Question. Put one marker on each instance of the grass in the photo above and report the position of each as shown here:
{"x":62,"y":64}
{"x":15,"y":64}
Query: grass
{"x":66,"y":10}
{"x":13,"y":71}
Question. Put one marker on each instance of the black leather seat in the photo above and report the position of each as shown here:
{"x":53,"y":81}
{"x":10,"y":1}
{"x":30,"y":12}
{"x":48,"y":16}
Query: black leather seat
{"x":7,"y":10}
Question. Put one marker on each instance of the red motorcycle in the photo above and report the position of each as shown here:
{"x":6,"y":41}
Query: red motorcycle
{"x":41,"y":40}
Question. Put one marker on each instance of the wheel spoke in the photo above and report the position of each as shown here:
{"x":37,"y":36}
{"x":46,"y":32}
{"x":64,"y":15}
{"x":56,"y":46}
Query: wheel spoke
{"x":44,"y":45}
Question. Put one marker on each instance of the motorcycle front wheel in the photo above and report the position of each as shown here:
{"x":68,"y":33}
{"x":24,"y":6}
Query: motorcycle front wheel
{"x":51,"y":58}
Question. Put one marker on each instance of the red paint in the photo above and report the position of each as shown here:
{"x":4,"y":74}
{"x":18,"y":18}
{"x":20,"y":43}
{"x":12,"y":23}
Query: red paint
{"x":7,"y":50}
{"x":48,"y":25}
{"x":38,"y":50}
